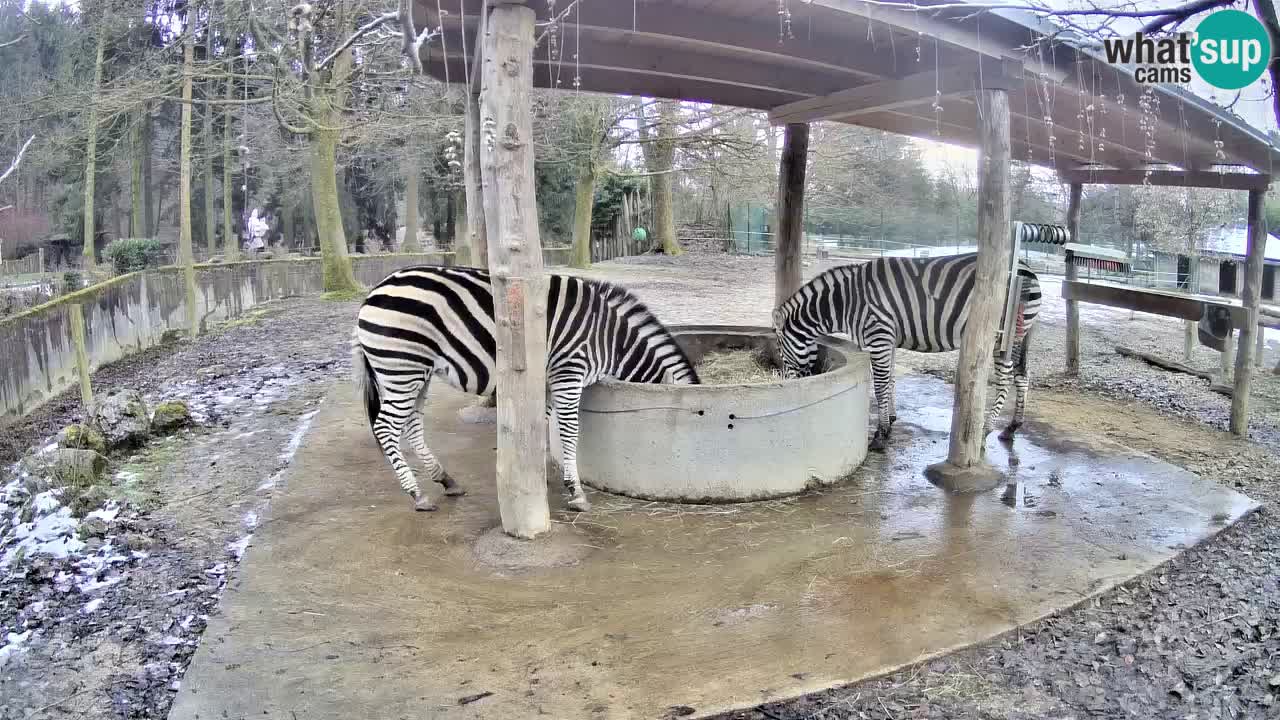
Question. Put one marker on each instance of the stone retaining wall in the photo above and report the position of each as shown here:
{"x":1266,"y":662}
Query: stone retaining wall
{"x":132,"y":312}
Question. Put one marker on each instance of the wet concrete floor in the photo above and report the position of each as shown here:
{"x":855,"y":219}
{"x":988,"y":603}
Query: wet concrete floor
{"x":350,"y":605}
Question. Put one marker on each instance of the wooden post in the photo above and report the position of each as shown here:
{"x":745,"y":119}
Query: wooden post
{"x":476,"y":235}
{"x":515,"y":259}
{"x":40,"y":256}
{"x":965,"y":469}
{"x":1226,"y":358}
{"x":1250,"y":296}
{"x":1188,"y":339}
{"x":82,"y":357}
{"x":1260,"y":349}
{"x":1073,"y":307}
{"x":788,"y":251}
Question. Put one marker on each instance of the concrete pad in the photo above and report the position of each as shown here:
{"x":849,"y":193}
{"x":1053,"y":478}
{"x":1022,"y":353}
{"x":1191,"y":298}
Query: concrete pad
{"x":350,"y":605}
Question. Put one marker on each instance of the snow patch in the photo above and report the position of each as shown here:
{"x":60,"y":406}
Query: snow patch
{"x":91,"y":606}
{"x":295,"y":441}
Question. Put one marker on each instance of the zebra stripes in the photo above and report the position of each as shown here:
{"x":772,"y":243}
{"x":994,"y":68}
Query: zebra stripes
{"x":910,"y":303}
{"x":425,"y":321}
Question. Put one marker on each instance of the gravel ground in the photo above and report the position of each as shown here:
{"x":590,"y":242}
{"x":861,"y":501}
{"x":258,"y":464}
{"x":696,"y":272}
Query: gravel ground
{"x":117,"y":646}
{"x":1199,"y":638}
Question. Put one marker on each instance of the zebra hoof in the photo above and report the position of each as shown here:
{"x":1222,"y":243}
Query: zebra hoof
{"x":451,"y":487}
{"x":893,"y":419}
{"x":579,"y":504}
{"x":1006,"y":435}
{"x":424,"y":504}
{"x":877,"y":443}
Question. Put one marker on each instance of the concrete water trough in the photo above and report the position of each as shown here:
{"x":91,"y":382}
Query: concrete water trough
{"x":728,"y":443}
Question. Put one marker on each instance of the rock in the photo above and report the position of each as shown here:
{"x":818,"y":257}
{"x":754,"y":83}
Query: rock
{"x":123,"y":420}
{"x":94,"y":527}
{"x":78,"y":468}
{"x":170,"y":336}
{"x":92,"y":498}
{"x":169,"y":416}
{"x":82,"y":437}
{"x":136,"y":541}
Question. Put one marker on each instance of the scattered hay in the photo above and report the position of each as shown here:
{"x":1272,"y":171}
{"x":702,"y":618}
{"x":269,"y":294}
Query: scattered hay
{"x":736,"y":367}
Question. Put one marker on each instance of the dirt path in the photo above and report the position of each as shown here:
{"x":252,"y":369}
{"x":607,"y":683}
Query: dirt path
{"x":108,"y":632}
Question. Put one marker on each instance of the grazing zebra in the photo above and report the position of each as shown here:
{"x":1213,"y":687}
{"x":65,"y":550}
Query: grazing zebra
{"x":910,"y":303}
{"x":425,"y":321}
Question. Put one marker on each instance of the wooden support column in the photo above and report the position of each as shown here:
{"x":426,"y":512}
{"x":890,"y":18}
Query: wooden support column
{"x":1249,"y":297}
{"x":1188,"y":339}
{"x":965,"y":469}
{"x":1260,"y":348}
{"x":515,"y":260}
{"x":1073,"y":273}
{"x":1227,"y":357}
{"x":788,"y":261}
{"x":475,"y":237}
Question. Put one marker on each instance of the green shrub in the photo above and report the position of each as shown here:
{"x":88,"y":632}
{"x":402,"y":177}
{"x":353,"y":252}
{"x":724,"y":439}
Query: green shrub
{"x":132,"y":254}
{"x":71,"y":281}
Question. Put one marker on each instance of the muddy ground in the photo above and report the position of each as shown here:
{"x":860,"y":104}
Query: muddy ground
{"x":117,"y":646}
{"x":1198,"y":639}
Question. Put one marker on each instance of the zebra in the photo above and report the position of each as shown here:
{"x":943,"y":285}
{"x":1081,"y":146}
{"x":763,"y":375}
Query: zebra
{"x":909,"y":303}
{"x":431,"y":320}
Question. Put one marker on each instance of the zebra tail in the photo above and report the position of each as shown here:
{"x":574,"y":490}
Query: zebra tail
{"x":366,"y":382}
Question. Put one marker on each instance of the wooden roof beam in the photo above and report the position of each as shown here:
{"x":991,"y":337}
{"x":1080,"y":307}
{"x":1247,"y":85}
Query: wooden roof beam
{"x":899,"y":92}
{"x":1171,"y":178}
{"x":628,"y":57}
{"x":946,"y":31}
{"x":708,"y":33}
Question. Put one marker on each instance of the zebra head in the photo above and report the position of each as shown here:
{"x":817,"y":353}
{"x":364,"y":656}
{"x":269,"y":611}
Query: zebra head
{"x":796,"y":349}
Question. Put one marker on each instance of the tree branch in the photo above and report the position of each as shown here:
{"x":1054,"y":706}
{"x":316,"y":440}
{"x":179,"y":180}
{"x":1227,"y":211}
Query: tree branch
{"x":14,"y":41}
{"x":359,"y":33}
{"x":17,"y":159}
{"x":1178,"y":14}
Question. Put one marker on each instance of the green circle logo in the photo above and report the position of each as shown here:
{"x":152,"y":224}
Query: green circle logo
{"x":1232,"y":49}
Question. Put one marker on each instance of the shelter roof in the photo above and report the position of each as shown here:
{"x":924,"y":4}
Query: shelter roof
{"x":870,"y":64}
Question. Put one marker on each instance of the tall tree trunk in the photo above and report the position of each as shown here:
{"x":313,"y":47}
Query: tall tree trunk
{"x":210,"y":208}
{"x":411,"y":219}
{"x":230,"y":243}
{"x":150,"y":209}
{"x":326,"y":105}
{"x":137,"y":201}
{"x":185,"y":252}
{"x":91,"y":153}
{"x":286,"y":222}
{"x":584,"y":194}
{"x":660,"y":156}
{"x":450,"y":217}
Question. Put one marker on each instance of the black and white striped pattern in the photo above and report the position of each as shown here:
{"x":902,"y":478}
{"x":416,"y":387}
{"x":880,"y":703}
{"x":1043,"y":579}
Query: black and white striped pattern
{"x":426,"y":321}
{"x":910,"y":303}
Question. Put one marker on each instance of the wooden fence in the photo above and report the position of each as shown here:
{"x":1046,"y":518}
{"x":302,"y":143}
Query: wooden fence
{"x":608,"y":247}
{"x":29,"y":265}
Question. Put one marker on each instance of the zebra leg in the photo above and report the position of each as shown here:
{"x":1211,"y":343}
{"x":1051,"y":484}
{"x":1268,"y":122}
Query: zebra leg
{"x":413,"y":430}
{"x":1003,"y":370}
{"x":399,"y":402}
{"x":893,"y":388}
{"x":882,"y":378}
{"x":566,"y":393}
{"x":1021,"y":383}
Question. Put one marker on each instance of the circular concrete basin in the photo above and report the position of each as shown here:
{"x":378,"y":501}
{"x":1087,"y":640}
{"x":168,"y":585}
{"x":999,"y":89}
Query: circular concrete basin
{"x":728,"y":443}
